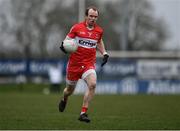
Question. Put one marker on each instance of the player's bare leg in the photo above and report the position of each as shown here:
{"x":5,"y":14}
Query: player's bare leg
{"x":66,"y":93}
{"x":91,"y":83}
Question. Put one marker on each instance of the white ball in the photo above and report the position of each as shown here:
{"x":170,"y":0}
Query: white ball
{"x":70,"y":45}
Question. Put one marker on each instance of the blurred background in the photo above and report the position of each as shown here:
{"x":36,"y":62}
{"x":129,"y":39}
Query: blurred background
{"x":141,"y":36}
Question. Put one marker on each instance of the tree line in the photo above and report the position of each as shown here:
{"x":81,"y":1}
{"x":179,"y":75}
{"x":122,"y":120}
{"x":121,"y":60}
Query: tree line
{"x":35,"y":28}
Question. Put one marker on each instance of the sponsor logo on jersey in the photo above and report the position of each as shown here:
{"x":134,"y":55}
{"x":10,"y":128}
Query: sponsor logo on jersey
{"x":87,"y":43}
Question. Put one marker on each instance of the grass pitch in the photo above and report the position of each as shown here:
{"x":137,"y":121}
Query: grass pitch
{"x":27,"y":109}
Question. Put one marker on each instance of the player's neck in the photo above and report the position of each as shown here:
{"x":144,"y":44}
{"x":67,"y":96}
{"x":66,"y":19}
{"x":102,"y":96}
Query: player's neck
{"x":90,"y":27}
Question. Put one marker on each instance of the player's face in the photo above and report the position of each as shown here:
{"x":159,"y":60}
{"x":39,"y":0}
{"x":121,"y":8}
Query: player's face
{"x":92,"y":17}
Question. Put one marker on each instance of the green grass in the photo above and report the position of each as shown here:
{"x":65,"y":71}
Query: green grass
{"x":31,"y":109}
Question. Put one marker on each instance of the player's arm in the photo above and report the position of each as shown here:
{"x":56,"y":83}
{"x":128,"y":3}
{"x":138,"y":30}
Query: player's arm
{"x":69,"y":36}
{"x":102,"y":50}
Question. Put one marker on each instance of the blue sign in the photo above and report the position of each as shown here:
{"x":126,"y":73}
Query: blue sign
{"x":27,"y":67}
{"x":12,"y":67}
{"x":132,"y":85}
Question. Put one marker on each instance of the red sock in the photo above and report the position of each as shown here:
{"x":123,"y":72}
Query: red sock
{"x":84,"y":110}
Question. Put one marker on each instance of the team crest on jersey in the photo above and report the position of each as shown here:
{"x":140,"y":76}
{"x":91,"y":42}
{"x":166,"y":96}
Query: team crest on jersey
{"x":97,"y":36}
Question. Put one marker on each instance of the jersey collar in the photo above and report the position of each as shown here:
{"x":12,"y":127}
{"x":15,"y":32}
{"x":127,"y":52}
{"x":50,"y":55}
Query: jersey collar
{"x":87,"y":26}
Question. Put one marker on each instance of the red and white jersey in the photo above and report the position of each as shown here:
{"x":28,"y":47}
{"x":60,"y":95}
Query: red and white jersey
{"x":87,"y":41}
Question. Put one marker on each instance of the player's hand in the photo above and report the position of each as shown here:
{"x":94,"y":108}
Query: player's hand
{"x":105,"y":59}
{"x":62,"y":48}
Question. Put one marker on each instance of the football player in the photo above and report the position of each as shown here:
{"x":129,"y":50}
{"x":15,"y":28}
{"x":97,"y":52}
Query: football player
{"x":81,"y":64}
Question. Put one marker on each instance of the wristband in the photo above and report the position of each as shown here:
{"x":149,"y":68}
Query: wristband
{"x":105,"y":53}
